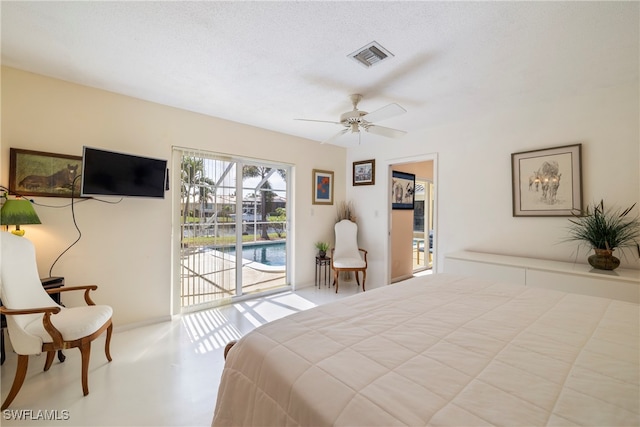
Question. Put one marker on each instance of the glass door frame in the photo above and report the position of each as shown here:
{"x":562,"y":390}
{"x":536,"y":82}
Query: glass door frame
{"x":177,"y":156}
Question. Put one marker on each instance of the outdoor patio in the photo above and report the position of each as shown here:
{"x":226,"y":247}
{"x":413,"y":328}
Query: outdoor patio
{"x":209,"y":275}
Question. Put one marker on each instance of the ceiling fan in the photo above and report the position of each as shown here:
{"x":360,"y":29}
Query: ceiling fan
{"x":356,"y":120}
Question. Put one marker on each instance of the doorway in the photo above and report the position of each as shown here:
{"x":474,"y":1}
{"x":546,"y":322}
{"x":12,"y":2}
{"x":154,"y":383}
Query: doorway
{"x":412,"y":233}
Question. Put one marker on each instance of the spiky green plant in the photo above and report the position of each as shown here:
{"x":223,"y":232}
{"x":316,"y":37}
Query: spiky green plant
{"x":601,"y":228}
{"x":322,"y":246}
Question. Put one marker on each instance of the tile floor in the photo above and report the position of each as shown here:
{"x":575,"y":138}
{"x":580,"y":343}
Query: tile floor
{"x":165,"y":374}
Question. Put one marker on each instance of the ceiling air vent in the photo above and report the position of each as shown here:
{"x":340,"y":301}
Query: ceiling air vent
{"x":371,"y":54}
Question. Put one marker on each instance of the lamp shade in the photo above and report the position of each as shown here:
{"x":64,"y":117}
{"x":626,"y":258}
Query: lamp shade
{"x":18,"y":212}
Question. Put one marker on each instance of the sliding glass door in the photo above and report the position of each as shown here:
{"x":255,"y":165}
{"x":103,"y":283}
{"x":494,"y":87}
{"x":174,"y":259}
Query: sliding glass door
{"x":233,"y":228}
{"x":263,"y":226}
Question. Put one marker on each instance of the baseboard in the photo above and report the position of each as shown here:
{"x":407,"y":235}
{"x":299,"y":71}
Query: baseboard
{"x":401,"y":278}
{"x":305,"y":286}
{"x":134,"y":325}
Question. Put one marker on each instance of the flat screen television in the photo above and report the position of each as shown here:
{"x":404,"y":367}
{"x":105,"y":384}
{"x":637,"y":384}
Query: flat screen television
{"x":107,"y":173}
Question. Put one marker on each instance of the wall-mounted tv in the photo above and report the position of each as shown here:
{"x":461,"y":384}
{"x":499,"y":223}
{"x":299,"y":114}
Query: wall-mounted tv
{"x":107,"y":173}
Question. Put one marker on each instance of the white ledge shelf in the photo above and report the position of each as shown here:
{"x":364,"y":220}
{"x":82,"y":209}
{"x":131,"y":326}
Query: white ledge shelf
{"x":621,"y":284}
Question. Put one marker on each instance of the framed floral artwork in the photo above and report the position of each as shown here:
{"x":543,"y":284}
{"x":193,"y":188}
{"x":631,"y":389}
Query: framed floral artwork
{"x":322,"y":187}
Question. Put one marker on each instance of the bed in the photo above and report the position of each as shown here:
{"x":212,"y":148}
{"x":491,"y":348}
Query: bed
{"x":440,"y":350}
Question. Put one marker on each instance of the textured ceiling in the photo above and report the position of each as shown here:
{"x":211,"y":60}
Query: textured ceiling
{"x":267,"y":63}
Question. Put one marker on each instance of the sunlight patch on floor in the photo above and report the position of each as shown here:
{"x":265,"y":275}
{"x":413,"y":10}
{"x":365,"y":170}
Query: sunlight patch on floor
{"x":209,"y":330}
{"x":212,"y":329}
{"x":273,"y":307}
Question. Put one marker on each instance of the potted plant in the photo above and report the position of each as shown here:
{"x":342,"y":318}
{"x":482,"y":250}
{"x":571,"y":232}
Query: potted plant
{"x":322,"y":249}
{"x":605,"y":230}
{"x":345,"y":210}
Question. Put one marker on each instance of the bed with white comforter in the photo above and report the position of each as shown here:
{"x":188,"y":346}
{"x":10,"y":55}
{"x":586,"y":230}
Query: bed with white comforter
{"x":440,"y":350}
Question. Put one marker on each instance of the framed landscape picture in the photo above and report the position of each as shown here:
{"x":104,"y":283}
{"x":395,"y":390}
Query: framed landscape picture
{"x":547,"y":182}
{"x":364,"y":172}
{"x":402,"y":190}
{"x":322,"y":187}
{"x":36,"y":173}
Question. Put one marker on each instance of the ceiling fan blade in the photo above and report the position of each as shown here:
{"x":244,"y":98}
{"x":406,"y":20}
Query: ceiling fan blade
{"x":384,"y":131}
{"x":384,"y":113}
{"x":319,"y":121}
{"x":336,"y":136}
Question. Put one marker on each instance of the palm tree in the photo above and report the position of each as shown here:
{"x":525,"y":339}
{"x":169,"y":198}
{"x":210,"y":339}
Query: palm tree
{"x":191,"y":169}
{"x":266,"y":197}
{"x":194,"y":184}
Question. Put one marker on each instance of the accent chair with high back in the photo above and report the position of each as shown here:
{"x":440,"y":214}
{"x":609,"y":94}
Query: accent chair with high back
{"x":346,"y":255}
{"x":35,"y":322}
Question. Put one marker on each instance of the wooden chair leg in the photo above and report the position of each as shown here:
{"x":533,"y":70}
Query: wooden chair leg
{"x":228,"y":347}
{"x":21,"y":373}
{"x":2,"y":353}
{"x":357,"y":279}
{"x":107,"y":345}
{"x":335,"y":279}
{"x":85,"y":351}
{"x":364,"y":278}
{"x":50,"y":356}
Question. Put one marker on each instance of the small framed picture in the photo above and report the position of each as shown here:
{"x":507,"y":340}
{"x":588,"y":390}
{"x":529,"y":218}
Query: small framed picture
{"x":36,"y":173}
{"x":402,"y":190}
{"x":364,"y":172}
{"x":322,"y":187}
{"x":547,"y":182}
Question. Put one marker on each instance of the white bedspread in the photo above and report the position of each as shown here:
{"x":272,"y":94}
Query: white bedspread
{"x":440,"y":350}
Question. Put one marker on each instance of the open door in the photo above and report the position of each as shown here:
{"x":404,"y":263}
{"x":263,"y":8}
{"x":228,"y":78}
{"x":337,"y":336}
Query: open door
{"x":423,"y":225}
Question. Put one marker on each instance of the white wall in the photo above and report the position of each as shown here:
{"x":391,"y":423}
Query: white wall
{"x":126,"y":248}
{"x":474,"y":203}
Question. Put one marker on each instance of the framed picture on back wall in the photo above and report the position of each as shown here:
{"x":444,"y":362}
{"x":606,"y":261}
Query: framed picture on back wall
{"x":402,"y":190}
{"x":364,"y":172}
{"x":547,"y":182}
{"x":322,"y":187}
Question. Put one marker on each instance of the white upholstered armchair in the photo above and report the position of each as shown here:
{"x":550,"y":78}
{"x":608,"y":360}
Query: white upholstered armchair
{"x":35,"y":322}
{"x":346,"y":255}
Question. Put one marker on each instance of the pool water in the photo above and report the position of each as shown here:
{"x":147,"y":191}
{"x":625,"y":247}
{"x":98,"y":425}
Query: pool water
{"x":269,"y":254}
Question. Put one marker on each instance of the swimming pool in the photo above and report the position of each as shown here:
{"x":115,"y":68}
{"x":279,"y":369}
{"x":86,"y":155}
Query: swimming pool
{"x":274,"y":254}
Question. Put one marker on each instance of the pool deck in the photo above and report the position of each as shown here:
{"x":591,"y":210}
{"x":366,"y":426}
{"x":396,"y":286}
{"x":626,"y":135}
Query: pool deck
{"x":209,"y":275}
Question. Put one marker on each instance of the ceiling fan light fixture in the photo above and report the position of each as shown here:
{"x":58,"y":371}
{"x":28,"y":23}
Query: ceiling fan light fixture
{"x":371,"y":54}
{"x":354,"y":120}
